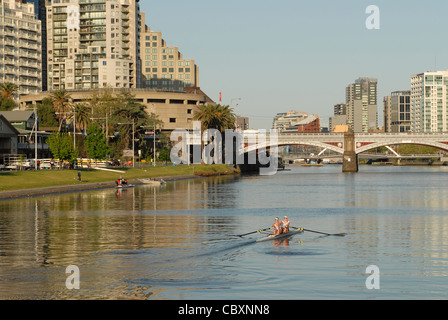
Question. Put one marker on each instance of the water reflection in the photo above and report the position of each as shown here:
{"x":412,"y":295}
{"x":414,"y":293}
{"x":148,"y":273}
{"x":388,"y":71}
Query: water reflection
{"x":192,"y":194}
{"x":173,"y":241}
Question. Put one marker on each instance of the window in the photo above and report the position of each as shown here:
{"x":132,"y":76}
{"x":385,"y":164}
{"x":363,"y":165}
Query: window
{"x":172,"y":120}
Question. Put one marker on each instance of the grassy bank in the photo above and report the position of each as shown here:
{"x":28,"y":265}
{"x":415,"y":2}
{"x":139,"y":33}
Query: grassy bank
{"x":17,"y":180}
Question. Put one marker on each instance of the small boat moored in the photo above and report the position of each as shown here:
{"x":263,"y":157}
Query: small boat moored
{"x":152,"y":181}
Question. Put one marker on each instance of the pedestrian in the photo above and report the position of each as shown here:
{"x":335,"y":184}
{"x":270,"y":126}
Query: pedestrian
{"x":79,"y":175}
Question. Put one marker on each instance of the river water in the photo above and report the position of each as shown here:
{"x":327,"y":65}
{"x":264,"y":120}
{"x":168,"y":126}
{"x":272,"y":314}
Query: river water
{"x":178,"y":241}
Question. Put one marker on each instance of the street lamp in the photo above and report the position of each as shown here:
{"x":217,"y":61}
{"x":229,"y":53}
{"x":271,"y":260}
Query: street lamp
{"x":231,"y":101}
{"x":133,"y":140}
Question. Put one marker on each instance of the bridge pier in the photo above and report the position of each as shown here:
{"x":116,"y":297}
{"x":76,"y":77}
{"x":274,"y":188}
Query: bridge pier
{"x":350,"y":158}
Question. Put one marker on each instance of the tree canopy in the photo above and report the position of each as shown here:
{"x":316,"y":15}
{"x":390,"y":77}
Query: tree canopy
{"x":215,"y":116}
{"x":95,"y":143}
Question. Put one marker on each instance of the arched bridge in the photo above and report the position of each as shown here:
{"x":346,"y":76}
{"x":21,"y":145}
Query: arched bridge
{"x":362,"y":141}
{"x":351,"y":144}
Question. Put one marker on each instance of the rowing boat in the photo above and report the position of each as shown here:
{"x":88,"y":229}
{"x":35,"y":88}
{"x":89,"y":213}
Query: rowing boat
{"x":281,"y":235}
{"x":124,"y":186}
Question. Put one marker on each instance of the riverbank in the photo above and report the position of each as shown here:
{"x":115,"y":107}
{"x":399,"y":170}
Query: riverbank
{"x":16,"y":184}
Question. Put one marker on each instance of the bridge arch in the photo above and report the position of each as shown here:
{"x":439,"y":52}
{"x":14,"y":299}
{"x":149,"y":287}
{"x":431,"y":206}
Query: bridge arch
{"x":330,"y":141}
{"x":366,"y":147}
{"x":256,"y":147}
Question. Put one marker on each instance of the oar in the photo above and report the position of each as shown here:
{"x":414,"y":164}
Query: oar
{"x":327,"y":234}
{"x":245,"y":234}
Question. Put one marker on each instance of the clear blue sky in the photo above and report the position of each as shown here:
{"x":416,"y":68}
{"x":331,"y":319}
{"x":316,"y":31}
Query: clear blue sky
{"x":300,"y":55}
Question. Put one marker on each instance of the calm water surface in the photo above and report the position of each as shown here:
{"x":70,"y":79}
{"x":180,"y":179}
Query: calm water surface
{"x":175,"y":242}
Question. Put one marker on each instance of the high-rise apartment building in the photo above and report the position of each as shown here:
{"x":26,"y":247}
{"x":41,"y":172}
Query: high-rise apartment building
{"x":20,"y":46}
{"x":164,"y":67}
{"x":361,"y":104}
{"x":397,"y":112}
{"x":387,"y":113}
{"x":429,"y":102}
{"x":93,"y":44}
{"x":40,"y":12}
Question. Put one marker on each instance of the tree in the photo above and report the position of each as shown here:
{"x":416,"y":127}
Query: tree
{"x":215,"y":116}
{"x":82,"y":116}
{"x":61,"y":103}
{"x":61,"y":146}
{"x":8,"y":90}
{"x":46,"y":114}
{"x":96,"y":143}
{"x":7,"y":104}
{"x":127,"y":111}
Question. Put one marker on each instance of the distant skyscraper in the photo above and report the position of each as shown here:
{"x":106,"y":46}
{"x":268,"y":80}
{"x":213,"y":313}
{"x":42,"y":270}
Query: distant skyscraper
{"x":361,"y":104}
{"x":387,"y":113}
{"x":93,"y":44}
{"x":429,"y":102}
{"x":41,"y":13}
{"x":164,"y":67}
{"x":20,"y":46}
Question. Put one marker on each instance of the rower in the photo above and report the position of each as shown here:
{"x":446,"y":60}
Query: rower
{"x":277,"y":226}
{"x":285,"y":225}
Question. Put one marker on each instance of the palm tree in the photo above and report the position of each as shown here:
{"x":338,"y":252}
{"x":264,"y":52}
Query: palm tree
{"x":126,"y":111}
{"x":61,"y":103}
{"x":82,"y":114}
{"x":8,"y":90}
{"x":215,"y":117}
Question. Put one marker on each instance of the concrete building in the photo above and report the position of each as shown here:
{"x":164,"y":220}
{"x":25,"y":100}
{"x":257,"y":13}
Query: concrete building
{"x":93,"y":44}
{"x":175,"y":109}
{"x":361,"y":103}
{"x":310,"y":124}
{"x":286,"y":122}
{"x":397,"y":112}
{"x":20,"y":46}
{"x":164,"y":67}
{"x":40,"y":12}
{"x":339,"y":118}
{"x":387,"y":113}
{"x":242,"y":123}
{"x":429,"y":102}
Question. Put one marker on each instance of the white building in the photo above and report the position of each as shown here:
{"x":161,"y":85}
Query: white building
{"x":20,"y":43}
{"x":286,"y":122}
{"x":429,"y":102}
